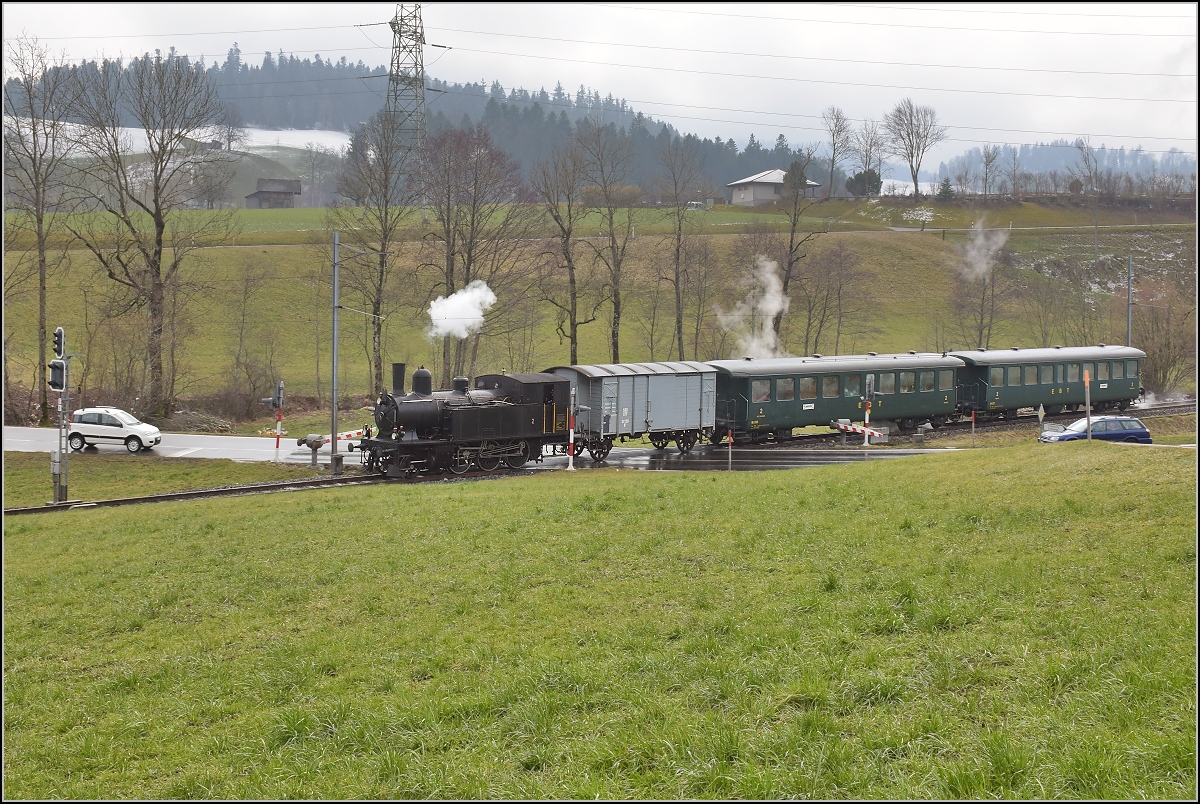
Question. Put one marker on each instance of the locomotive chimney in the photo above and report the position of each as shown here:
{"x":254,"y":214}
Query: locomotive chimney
{"x":398,"y":379}
{"x":423,"y":382}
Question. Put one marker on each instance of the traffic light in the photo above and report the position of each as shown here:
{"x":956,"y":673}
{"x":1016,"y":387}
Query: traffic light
{"x":60,"y":342}
{"x":58,"y":374}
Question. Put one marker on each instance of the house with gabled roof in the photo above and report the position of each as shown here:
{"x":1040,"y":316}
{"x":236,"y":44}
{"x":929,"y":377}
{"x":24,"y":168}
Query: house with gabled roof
{"x":274,"y":194}
{"x":762,"y":188}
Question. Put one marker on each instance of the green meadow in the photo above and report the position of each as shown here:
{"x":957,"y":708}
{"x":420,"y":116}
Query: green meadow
{"x":1014,"y":622}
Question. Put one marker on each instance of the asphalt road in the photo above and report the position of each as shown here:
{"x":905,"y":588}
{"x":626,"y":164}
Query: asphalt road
{"x":261,"y":449}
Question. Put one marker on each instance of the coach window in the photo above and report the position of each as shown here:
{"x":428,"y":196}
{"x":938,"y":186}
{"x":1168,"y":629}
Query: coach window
{"x":808,"y":387}
{"x":887,"y":383}
{"x":926,"y":381}
{"x":1118,"y":370}
{"x":1014,"y":375}
{"x":785,"y":390}
{"x":908,"y":382}
{"x":1047,"y":375}
{"x":1090,"y":370}
{"x":851,"y":384}
{"x":1058,"y":374}
{"x":996,"y":376}
{"x":1031,"y":375}
{"x":829,"y":387}
{"x":761,"y":391}
{"x":1072,"y":372}
{"x":1131,"y":368}
{"x":946,"y":380}
{"x":1102,"y":371}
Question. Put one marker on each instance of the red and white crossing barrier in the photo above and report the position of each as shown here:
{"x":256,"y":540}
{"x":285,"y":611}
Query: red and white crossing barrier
{"x":346,"y":435}
{"x":855,"y":428}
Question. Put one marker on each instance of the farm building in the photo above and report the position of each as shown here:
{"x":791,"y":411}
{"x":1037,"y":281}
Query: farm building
{"x":274,"y":194}
{"x":761,"y":188}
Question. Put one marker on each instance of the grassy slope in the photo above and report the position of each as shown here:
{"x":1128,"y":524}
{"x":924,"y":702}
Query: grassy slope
{"x":912,"y":275}
{"x":843,"y":632}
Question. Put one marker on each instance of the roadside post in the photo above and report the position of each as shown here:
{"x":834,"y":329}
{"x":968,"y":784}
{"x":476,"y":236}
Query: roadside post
{"x":870,"y":393}
{"x":571,"y":434}
{"x":729,"y":440}
{"x":972,"y":429}
{"x":1087,"y":402}
{"x":1041,"y":414}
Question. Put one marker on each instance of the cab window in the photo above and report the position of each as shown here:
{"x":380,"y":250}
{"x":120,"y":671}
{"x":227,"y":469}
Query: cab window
{"x":1014,"y":375}
{"x":851,"y":385}
{"x":1118,"y":371}
{"x":760,"y":391}
{"x":908,"y":382}
{"x":1072,"y":372}
{"x":887,"y":383}
{"x":829,"y":387}
{"x":996,"y":376}
{"x":1102,"y":371}
{"x":808,"y":387}
{"x":1047,"y":375}
{"x":946,"y":380}
{"x":785,"y":390}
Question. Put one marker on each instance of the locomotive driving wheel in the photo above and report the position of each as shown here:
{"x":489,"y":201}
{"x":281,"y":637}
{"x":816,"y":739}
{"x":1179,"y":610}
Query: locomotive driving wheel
{"x":486,"y":462}
{"x":600,"y":448}
{"x":518,"y":459}
{"x":659,"y":440}
{"x":460,"y":463}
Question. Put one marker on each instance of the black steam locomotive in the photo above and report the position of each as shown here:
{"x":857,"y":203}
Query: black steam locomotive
{"x":506,"y":418}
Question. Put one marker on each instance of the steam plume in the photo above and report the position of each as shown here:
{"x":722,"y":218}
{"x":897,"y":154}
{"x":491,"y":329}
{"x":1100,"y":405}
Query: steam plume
{"x":980,"y":250}
{"x":751,"y":319}
{"x":462,"y":313}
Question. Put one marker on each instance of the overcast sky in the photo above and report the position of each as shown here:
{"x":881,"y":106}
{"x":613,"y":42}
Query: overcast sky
{"x":1121,"y":73}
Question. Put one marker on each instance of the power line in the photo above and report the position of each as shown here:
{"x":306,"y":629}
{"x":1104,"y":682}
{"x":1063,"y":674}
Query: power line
{"x":859,"y":23}
{"x":708,"y":52}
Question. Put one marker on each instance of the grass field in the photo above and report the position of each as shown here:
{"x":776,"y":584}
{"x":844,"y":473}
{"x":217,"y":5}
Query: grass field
{"x":1015,"y":622}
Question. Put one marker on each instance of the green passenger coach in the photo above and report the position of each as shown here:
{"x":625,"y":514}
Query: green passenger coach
{"x":996,"y":382}
{"x":761,"y":398}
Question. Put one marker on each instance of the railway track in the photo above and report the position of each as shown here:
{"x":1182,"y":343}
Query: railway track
{"x":807,"y":440}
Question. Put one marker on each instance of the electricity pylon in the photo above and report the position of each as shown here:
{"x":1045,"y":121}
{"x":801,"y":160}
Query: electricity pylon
{"x":406,"y":79}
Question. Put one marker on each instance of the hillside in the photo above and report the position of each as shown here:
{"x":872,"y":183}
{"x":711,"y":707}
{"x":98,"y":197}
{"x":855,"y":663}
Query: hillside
{"x":263,"y":304}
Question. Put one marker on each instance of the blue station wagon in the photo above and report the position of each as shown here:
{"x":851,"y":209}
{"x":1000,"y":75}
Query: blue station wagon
{"x":1104,"y":428}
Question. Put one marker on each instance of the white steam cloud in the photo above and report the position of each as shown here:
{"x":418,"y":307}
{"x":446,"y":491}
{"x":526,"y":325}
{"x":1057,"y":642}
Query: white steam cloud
{"x":462,"y":313}
{"x":980,"y":250}
{"x":751,"y":319}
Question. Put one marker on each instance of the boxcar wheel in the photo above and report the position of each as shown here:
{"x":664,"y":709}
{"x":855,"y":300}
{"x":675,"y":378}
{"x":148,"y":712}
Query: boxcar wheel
{"x":659,"y":441}
{"x":579,"y":447}
{"x":599,"y":449}
{"x":685,"y":443}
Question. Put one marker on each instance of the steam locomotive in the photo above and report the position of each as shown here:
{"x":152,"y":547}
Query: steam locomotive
{"x":514,"y":418}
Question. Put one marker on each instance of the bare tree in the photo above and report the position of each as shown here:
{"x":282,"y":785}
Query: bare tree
{"x":1012,"y":168}
{"x":964,"y":177}
{"x":232,"y":128}
{"x":982,"y":286}
{"x":1087,"y":170}
{"x":37,"y":99}
{"x":375,"y":172}
{"x":608,"y":162}
{"x":483,"y":222}
{"x":558,"y":182}
{"x":139,"y":233}
{"x":682,"y":177}
{"x":991,"y":155}
{"x":1164,"y":327}
{"x":795,"y":201}
{"x":318,"y":162}
{"x":841,"y":137}
{"x":868,"y":148}
{"x":911,"y":131}
{"x":1040,"y":299}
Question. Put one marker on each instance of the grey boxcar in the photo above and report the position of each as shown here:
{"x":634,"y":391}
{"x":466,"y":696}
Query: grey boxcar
{"x":669,"y":401}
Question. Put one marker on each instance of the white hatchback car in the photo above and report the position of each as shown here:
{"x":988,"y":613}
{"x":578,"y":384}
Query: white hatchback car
{"x":111,"y":426}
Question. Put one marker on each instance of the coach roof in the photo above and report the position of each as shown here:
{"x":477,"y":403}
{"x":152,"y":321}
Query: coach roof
{"x":634,"y":369}
{"x":1053,"y":354}
{"x":751,"y":367}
